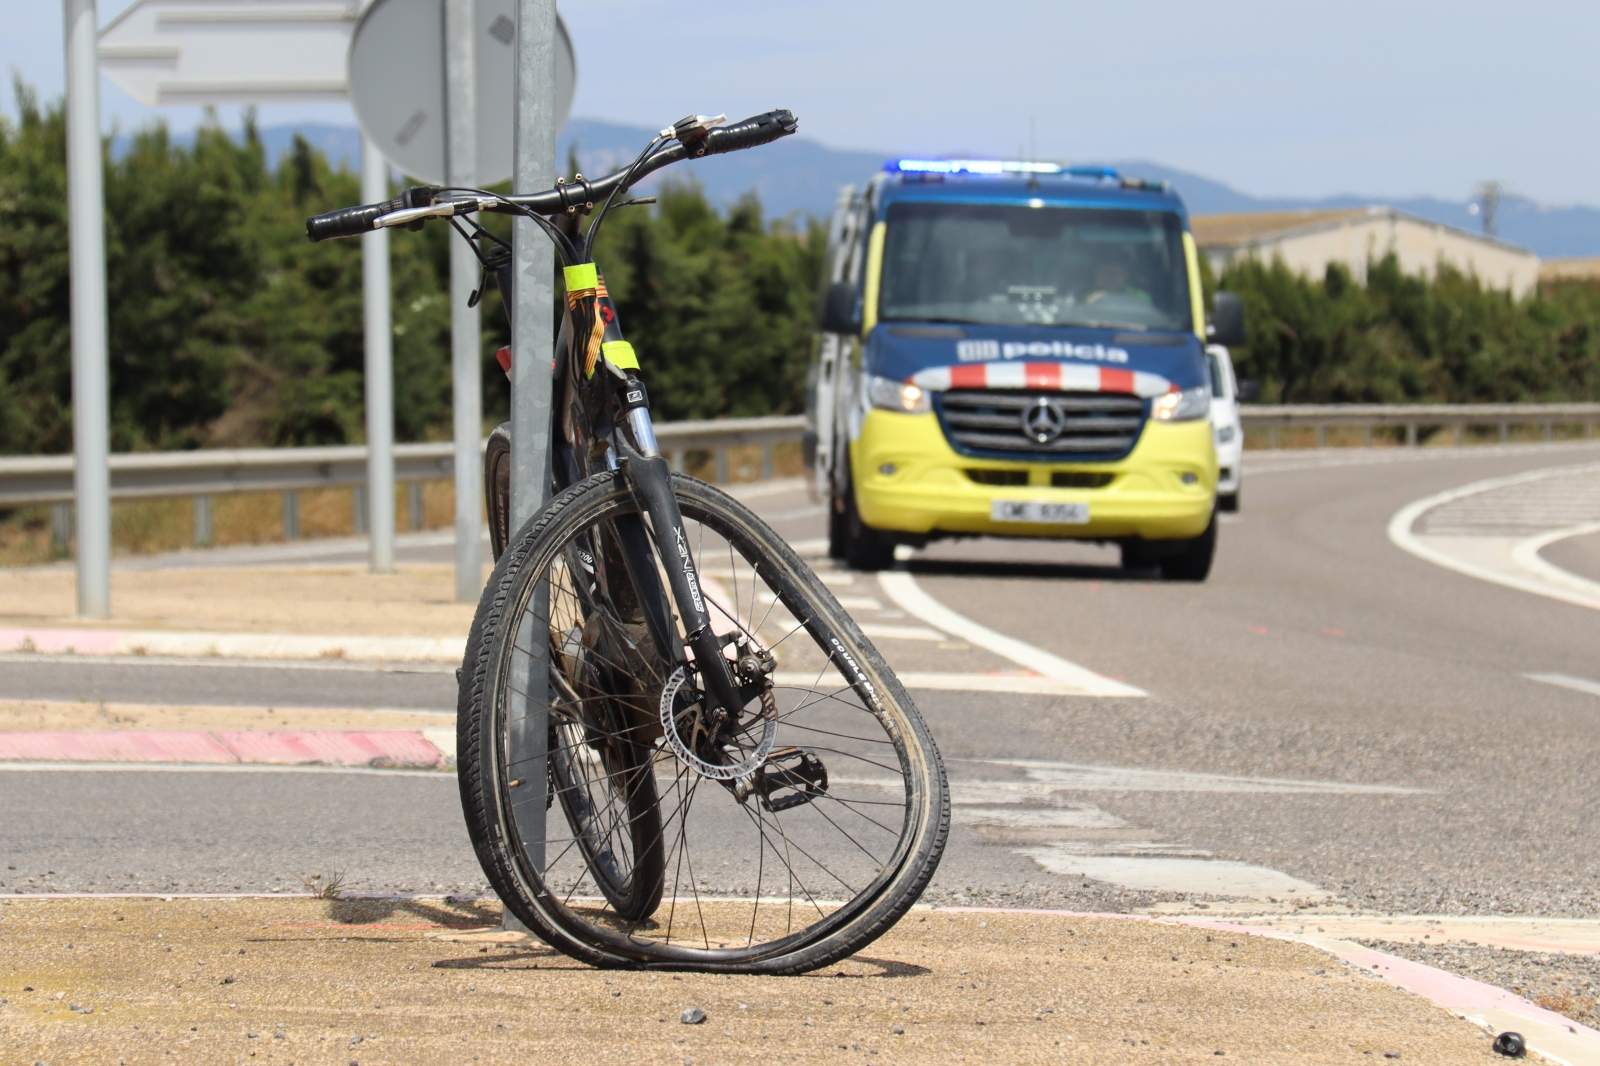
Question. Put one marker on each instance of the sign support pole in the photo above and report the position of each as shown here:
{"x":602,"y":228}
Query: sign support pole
{"x":86,"y":243}
{"x":461,"y":155}
{"x":534,"y":149}
{"x":379,"y":368}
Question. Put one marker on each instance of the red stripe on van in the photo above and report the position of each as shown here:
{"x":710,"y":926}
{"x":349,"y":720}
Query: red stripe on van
{"x":1116,"y":380}
{"x":974,"y":376}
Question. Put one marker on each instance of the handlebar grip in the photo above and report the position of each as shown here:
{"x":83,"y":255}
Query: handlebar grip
{"x":354,"y":221}
{"x":350,"y":221}
{"x":761,"y":129}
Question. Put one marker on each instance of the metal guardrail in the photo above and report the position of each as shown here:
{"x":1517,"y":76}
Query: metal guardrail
{"x":203,"y":474}
{"x":1412,"y":419}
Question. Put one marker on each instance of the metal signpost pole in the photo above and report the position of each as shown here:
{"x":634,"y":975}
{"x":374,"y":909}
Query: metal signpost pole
{"x":461,"y":155}
{"x":86,"y":212}
{"x":534,"y":148}
{"x":379,"y":367}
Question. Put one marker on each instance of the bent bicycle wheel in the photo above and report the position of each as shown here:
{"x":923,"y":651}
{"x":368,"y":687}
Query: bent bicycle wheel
{"x":791,"y":834}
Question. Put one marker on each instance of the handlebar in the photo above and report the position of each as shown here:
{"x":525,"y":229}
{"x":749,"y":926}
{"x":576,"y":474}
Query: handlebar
{"x":418,"y":203}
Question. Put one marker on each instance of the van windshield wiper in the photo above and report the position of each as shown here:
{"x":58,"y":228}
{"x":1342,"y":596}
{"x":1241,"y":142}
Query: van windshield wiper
{"x":938,"y":320}
{"x":1094,"y":324}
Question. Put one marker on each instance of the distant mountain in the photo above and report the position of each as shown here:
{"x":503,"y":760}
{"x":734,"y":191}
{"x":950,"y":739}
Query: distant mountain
{"x":802,"y":176}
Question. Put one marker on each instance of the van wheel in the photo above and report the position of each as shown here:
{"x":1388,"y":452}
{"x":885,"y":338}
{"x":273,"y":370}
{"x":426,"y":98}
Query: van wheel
{"x":1228,"y":502}
{"x":865,"y":548}
{"x":1136,"y":556}
{"x":1192,"y":561}
{"x":837,"y":532}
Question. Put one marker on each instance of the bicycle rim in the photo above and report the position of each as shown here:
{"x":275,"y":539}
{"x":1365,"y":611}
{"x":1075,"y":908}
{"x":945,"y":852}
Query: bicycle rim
{"x":825,"y":825}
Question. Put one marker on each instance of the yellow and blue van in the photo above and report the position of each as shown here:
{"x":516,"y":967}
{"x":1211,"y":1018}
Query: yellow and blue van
{"x":1015,"y":349}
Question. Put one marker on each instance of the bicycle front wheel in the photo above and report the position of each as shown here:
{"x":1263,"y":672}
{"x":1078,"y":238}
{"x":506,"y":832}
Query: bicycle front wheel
{"x":784,"y":838}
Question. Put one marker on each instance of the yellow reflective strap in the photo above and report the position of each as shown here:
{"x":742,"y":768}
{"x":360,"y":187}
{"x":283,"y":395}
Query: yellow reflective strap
{"x":620,"y":354}
{"x":582,"y":276}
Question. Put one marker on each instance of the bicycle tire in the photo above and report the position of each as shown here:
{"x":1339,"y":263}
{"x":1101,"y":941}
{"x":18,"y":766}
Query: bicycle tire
{"x":486,"y":782}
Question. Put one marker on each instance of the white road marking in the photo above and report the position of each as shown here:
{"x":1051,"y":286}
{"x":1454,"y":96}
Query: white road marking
{"x":1032,"y":818}
{"x":1526,"y":555}
{"x":1402,"y":536}
{"x":903,"y":590}
{"x":1577,"y":684}
{"x":849,"y":603}
{"x":814,"y":548}
{"x":933,"y":681}
{"x":891,"y":632}
{"x":1078,"y":777}
{"x":1209,"y":877}
{"x":1022,"y":684}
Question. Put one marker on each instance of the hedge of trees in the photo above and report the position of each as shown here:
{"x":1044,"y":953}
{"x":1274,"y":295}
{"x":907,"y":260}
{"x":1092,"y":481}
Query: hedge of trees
{"x":1402,"y":339}
{"x":229,"y":328}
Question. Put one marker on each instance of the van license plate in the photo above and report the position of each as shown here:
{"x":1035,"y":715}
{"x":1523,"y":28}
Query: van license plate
{"x":1074,"y":514}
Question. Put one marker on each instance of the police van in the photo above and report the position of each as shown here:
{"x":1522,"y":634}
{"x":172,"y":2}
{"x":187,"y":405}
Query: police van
{"x":1015,"y":349}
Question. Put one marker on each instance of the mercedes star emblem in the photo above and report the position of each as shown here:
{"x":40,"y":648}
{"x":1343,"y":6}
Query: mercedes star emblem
{"x":1043,"y":422}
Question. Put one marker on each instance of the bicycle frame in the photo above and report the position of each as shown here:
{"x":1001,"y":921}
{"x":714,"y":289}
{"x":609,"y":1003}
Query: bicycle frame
{"x":602,"y":422}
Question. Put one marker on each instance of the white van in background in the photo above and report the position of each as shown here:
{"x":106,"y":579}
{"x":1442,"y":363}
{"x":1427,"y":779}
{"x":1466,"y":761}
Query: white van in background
{"x":1226,"y":429}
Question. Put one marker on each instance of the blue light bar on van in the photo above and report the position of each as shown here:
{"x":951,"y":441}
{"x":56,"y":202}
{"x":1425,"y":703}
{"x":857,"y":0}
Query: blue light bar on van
{"x":994,"y":167}
{"x":970,"y":166}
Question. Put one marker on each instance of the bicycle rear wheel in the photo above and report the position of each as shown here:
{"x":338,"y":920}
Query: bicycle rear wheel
{"x":791,"y":836}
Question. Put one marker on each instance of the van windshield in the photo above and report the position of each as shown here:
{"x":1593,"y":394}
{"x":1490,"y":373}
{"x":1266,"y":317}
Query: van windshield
{"x":1003,"y":264}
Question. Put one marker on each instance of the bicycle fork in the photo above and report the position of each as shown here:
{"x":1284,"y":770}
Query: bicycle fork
{"x":650,"y":481}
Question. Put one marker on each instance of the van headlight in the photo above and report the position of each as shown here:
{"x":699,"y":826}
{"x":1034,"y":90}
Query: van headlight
{"x":1224,"y":434}
{"x":890,"y":395}
{"x":1182,"y":406}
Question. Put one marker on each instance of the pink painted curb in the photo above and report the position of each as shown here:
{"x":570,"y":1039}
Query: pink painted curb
{"x":321,"y":747}
{"x":57,"y":641}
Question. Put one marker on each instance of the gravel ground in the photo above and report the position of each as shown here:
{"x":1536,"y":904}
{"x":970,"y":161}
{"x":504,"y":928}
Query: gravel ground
{"x":1566,"y":984}
{"x":429,"y":981}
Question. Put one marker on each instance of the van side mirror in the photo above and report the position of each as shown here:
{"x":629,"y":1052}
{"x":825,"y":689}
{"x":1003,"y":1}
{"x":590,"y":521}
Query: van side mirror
{"x":839,"y":311}
{"x":1227,"y":320}
{"x":1249,"y":390}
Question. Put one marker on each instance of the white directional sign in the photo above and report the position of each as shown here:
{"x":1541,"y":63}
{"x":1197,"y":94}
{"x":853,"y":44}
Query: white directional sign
{"x":397,"y":84}
{"x":230,"y":51}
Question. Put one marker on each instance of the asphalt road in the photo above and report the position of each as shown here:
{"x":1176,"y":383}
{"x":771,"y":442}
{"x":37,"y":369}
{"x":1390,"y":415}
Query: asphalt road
{"x":1327,"y":716}
{"x":1578,"y":555}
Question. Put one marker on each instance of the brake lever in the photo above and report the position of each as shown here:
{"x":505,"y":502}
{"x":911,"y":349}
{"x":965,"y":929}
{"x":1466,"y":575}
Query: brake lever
{"x":691,"y":130}
{"x":637,"y":201}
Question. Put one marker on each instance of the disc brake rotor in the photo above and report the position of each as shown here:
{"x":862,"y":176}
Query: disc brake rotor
{"x":677,"y":721}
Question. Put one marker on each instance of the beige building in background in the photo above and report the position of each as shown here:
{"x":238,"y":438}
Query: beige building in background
{"x":1584,"y":269}
{"x":1307,"y":241}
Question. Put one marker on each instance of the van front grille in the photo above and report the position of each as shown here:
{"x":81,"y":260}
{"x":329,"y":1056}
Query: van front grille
{"x":1041,"y":423}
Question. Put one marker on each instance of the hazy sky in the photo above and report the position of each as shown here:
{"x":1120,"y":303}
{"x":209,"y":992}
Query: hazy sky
{"x":1276,"y":98}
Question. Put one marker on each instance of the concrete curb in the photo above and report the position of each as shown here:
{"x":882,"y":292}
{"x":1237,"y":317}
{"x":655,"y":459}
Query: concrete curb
{"x":430,"y":749}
